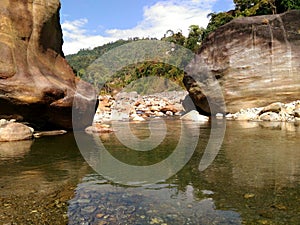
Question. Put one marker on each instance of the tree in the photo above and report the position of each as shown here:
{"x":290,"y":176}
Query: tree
{"x":255,"y":7}
{"x":194,"y":38}
{"x":217,"y":20}
{"x":285,"y":5}
{"x":176,"y":38}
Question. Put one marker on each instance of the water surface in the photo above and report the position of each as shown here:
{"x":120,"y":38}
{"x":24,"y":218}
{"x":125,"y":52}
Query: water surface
{"x":254,"y":179}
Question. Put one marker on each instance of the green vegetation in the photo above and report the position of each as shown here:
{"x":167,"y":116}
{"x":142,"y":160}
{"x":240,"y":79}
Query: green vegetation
{"x":248,"y":8}
{"x":81,"y":61}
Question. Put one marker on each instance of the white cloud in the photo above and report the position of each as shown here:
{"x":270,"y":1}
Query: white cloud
{"x":157,"y":19}
{"x":76,"y":37}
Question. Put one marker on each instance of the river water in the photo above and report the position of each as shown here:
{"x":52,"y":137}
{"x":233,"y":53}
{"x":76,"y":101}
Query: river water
{"x":253,"y":178}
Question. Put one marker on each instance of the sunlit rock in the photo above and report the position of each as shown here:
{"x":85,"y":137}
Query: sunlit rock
{"x":255,"y":60}
{"x":194,"y":116}
{"x":15,"y":132}
{"x":36,"y":82}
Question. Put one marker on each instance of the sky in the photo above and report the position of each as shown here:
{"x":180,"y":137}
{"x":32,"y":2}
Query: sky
{"x":92,"y":23}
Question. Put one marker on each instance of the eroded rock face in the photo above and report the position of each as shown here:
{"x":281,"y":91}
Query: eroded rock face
{"x":36,"y":83}
{"x":256,"y":61}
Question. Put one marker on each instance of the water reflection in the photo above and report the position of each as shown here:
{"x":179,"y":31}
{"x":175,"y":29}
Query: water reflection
{"x":97,"y":202}
{"x":14,"y":150}
{"x":253,"y":180}
{"x":39,"y":165}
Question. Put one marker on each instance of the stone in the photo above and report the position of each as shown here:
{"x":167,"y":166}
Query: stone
{"x":245,"y":116}
{"x":194,"y":116}
{"x":219,"y":116}
{"x":49,"y":133}
{"x":269,"y":116}
{"x":138,"y":118}
{"x":119,"y":116}
{"x":36,"y":82}
{"x":255,"y":63}
{"x":159,"y":114}
{"x":98,"y":128}
{"x":297,"y":112}
{"x":274,"y":107}
{"x":15,"y":132}
{"x":169,"y":113}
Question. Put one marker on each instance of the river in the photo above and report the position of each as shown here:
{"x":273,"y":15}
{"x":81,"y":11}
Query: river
{"x":253,"y":178}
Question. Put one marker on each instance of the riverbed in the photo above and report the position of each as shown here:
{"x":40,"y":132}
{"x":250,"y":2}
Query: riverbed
{"x":253,"y":178}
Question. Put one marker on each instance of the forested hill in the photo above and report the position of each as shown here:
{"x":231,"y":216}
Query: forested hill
{"x":243,"y":8}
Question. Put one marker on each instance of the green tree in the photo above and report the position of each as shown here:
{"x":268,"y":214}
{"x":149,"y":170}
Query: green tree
{"x":285,"y":5}
{"x":255,"y":7}
{"x":194,"y":38}
{"x":177,"y":38}
{"x":217,"y":20}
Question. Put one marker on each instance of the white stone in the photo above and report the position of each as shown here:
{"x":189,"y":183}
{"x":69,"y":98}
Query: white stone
{"x":194,"y":116}
{"x":138,"y":118}
{"x":219,"y":116}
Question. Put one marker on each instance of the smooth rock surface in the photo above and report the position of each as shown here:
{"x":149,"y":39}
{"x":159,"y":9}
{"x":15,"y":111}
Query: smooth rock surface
{"x":15,"y":132}
{"x":194,"y":116}
{"x":255,"y":60}
{"x":36,"y":82}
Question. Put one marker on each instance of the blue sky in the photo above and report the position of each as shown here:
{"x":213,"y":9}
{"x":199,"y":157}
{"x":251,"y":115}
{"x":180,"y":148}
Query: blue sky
{"x":91,"y":23}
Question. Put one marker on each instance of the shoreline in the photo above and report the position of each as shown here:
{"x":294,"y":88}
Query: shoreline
{"x":135,"y":107}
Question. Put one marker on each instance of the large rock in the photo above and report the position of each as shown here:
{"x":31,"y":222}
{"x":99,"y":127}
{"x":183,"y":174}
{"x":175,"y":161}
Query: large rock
{"x":256,"y":61}
{"x":36,"y":83}
{"x":15,"y":132}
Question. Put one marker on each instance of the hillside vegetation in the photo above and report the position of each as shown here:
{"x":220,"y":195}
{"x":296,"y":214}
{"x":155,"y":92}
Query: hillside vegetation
{"x":81,"y":61}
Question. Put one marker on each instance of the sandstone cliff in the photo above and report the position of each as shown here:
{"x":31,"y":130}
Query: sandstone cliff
{"x":36,"y":83}
{"x":256,"y":61}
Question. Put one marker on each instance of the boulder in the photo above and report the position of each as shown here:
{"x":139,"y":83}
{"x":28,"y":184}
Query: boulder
{"x":194,"y":116}
{"x":36,"y":82}
{"x":274,"y":107}
{"x":255,"y":61}
{"x":15,"y":132}
{"x":269,"y":116}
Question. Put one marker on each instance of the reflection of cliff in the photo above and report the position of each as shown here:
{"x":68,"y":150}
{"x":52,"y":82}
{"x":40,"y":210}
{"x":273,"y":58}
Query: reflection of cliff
{"x":262,"y":157}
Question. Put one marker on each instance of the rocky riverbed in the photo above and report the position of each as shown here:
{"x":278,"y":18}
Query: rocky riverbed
{"x":275,"y":112}
{"x":40,"y":207}
{"x":132,"y":106}
{"x":137,"y":107}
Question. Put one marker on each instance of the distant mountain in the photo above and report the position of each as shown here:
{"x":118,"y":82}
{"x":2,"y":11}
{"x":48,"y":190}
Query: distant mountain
{"x":81,"y":61}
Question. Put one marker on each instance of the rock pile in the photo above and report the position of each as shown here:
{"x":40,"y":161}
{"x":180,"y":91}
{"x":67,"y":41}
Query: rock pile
{"x":275,"y":112}
{"x":132,"y":106}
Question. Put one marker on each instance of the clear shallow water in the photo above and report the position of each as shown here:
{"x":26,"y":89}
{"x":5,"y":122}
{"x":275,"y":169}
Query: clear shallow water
{"x":254,"y":179}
